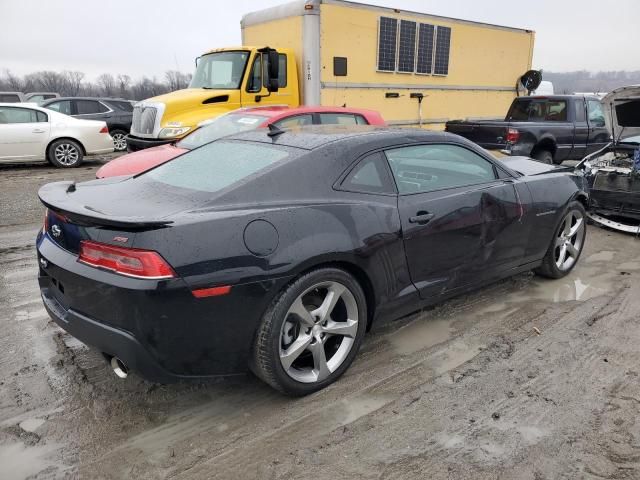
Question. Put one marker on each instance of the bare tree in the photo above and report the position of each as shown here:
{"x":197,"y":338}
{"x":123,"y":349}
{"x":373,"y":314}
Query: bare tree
{"x":124,"y":83}
{"x":73,"y":83}
{"x":176,"y":80}
{"x":108,"y":84}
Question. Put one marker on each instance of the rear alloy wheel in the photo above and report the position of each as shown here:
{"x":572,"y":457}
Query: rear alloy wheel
{"x":544,"y":156}
{"x":311,"y":334}
{"x":567,"y":244}
{"x":119,"y":140}
{"x":65,"y":153}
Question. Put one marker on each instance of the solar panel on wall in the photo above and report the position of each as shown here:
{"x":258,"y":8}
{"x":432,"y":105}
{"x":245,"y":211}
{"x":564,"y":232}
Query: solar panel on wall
{"x":443,"y":41}
{"x":425,"y":48}
{"x":387,"y":44}
{"x":407,"y":49}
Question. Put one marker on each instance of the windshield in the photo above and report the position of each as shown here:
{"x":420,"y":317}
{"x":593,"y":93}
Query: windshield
{"x":221,"y":127}
{"x":221,"y":70}
{"x":218,"y":165}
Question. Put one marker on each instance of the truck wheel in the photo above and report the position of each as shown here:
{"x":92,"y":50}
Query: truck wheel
{"x":544,"y":156}
{"x":566,"y":244}
{"x":65,"y":153}
{"x":311,"y":333}
{"x":119,"y":140}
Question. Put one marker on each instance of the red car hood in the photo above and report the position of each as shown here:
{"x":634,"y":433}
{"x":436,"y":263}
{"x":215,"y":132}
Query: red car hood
{"x":137,"y":162}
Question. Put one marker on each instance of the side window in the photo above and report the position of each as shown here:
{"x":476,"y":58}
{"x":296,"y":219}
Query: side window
{"x":342,"y":119}
{"x":425,"y":168}
{"x":19,"y":115}
{"x":556,"y":111}
{"x":580,"y":115}
{"x":295,"y":121}
{"x":88,"y":107}
{"x":370,"y":175}
{"x":41,"y":116}
{"x":596,"y":113}
{"x":282,"y":70}
{"x":9,"y":98}
{"x":63,"y":106}
{"x":254,"y":83}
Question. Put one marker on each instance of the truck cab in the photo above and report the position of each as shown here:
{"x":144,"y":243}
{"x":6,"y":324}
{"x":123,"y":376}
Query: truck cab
{"x":225,"y":79}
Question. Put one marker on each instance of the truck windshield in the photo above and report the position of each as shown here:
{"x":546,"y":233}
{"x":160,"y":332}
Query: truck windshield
{"x":220,"y":70}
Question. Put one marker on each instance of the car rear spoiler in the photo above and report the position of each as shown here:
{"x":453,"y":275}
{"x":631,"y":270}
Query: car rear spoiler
{"x":55,"y":196}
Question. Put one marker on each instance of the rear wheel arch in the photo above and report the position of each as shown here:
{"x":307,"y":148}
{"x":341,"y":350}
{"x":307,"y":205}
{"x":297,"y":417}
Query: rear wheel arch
{"x":53,"y":140}
{"x":548,"y":144}
{"x":355,"y":271}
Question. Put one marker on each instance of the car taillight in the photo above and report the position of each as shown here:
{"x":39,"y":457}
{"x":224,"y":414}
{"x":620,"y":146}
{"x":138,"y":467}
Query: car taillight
{"x":131,"y":262}
{"x":45,"y":224}
{"x":513,"y":135}
{"x":104,"y":129}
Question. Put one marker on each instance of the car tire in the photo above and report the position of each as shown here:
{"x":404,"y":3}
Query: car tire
{"x":65,"y":153}
{"x":119,"y":140}
{"x":567,"y":243}
{"x":297,"y":354}
{"x":544,"y":156}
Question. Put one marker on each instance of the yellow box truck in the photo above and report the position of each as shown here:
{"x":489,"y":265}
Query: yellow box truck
{"x":416,"y":69}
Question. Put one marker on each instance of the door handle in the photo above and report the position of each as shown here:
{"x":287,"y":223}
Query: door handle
{"x":421,"y":218}
{"x":37,"y":130}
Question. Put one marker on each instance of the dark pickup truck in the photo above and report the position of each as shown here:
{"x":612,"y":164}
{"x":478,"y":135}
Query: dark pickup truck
{"x":548,"y":128}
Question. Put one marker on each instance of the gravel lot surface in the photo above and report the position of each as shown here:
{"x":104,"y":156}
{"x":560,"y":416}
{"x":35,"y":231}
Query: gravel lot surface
{"x":525,"y":379}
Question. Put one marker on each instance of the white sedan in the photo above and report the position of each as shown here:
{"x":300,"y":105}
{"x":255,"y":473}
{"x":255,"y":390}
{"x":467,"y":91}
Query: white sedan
{"x":29,"y":133}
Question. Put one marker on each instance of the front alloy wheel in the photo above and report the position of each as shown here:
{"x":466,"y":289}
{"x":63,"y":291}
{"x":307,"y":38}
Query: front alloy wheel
{"x":119,"y":140}
{"x":569,"y":240}
{"x":311,"y":333}
{"x":567,"y":243}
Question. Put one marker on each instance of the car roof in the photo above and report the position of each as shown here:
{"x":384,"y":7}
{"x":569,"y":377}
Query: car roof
{"x":284,"y":110}
{"x":51,"y":100}
{"x":312,"y":137}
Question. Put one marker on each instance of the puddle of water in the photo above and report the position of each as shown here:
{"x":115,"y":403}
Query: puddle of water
{"x":629,"y":266}
{"x":349,"y":410}
{"x":19,"y":462}
{"x":420,"y":334}
{"x":603,"y":256}
{"x":31,"y":424}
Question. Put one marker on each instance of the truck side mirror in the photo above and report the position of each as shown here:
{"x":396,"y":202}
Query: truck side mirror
{"x":273,"y":70}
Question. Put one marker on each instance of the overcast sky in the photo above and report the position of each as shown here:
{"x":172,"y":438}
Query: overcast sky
{"x":139,"y":37}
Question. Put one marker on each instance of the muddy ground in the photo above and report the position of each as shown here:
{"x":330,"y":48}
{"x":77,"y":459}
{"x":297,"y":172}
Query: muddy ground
{"x":525,"y":379}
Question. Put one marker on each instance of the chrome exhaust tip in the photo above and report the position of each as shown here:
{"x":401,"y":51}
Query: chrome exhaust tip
{"x":119,"y":368}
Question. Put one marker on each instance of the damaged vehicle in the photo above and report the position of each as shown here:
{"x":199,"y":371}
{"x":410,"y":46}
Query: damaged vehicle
{"x":613,"y":173}
{"x":276,"y":251}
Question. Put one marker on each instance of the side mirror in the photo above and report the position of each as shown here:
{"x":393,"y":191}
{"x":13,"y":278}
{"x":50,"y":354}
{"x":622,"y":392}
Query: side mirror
{"x":273,"y":70}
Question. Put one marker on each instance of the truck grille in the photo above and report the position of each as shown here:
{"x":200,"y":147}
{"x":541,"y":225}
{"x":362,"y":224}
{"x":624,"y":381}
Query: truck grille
{"x":144,"y":120}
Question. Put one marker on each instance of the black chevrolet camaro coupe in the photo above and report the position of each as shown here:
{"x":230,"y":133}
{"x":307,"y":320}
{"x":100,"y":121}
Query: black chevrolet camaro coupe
{"x":276,"y":251}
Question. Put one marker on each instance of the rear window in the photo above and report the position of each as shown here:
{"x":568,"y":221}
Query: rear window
{"x":221,"y":127}
{"x":538,"y":110}
{"x":219,"y":165}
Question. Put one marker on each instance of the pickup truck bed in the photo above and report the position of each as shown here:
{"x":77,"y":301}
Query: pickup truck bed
{"x":550,"y":128}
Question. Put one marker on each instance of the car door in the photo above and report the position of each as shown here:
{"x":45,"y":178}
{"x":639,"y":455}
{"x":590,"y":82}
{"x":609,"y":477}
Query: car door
{"x":61,"y":106}
{"x":340,"y":118}
{"x":460,"y":219}
{"x":581,"y":131}
{"x":599,"y":136}
{"x":24,"y":133}
{"x":92,"y":110}
{"x":255,"y":91}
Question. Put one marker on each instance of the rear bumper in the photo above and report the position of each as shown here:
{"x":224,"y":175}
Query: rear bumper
{"x":135,"y":144}
{"x":106,"y":339}
{"x":157,"y":327}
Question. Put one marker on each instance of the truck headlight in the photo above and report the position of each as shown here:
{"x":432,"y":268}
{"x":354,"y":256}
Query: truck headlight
{"x":172,"y":132}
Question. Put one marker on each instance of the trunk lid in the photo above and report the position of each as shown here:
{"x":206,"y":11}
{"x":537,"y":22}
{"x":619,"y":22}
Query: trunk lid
{"x":528,"y":166}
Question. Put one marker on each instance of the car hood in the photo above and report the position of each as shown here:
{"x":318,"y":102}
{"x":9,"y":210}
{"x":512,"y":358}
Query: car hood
{"x":138,"y":162}
{"x":528,"y":166}
{"x":622,"y":112}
